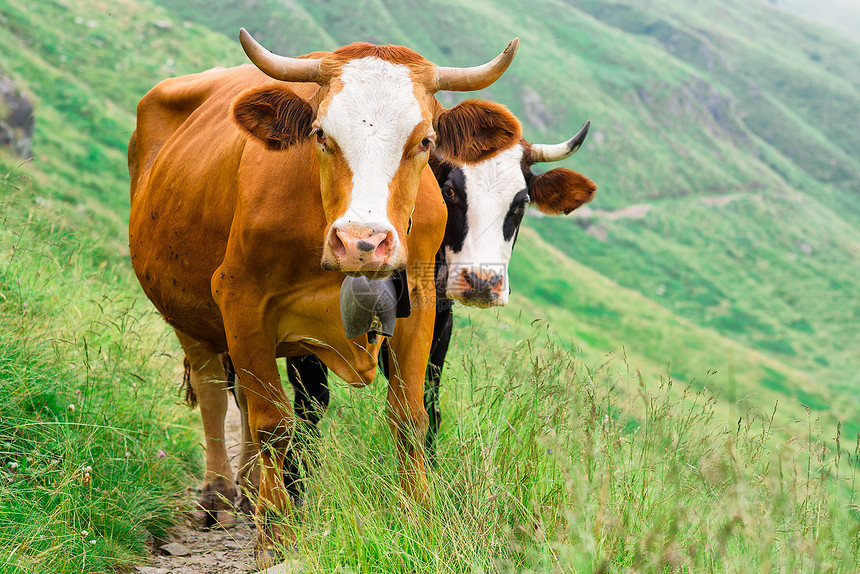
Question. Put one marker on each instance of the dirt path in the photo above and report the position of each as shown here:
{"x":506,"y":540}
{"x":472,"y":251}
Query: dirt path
{"x":193,"y":551}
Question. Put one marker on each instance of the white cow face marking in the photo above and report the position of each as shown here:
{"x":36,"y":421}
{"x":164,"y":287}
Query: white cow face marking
{"x":369,"y":121}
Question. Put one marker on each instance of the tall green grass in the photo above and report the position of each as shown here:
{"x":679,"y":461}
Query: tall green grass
{"x":93,"y":453}
{"x":547,"y":465}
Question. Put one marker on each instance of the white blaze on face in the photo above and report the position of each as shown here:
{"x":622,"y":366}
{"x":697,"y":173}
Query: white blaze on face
{"x":371,"y":119}
{"x":491,"y":187}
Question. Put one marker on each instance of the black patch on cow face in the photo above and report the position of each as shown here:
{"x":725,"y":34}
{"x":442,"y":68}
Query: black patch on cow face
{"x":515,"y":214}
{"x":454,"y":193}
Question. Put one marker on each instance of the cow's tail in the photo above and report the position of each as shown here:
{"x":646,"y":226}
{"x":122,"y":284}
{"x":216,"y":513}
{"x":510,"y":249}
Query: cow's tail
{"x":190,"y":397}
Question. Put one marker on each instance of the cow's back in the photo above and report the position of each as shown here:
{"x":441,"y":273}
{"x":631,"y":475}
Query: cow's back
{"x":161,"y":112}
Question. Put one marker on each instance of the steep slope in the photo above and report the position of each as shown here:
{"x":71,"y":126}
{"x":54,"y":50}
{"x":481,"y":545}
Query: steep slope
{"x":593,"y":315}
{"x":748,"y":268}
{"x":87,"y":66}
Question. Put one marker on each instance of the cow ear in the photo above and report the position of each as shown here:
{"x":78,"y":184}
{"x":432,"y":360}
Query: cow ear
{"x":276,"y":116}
{"x":560,"y":190}
{"x":475,"y":130}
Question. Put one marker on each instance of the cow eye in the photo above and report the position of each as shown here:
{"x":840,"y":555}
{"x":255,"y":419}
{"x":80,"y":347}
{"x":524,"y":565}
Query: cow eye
{"x":322,"y":141}
{"x":425,"y":145}
{"x":518,"y":209}
{"x":448,"y":193}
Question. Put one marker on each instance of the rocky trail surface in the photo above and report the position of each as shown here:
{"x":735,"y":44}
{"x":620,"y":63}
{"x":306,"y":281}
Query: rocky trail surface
{"x":217,"y":551}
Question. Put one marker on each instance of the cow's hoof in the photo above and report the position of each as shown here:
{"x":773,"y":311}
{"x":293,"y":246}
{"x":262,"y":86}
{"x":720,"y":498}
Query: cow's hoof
{"x":275,"y":541}
{"x":217,"y":519}
{"x":215,"y":508}
{"x":265,"y":558}
{"x":245,"y":505}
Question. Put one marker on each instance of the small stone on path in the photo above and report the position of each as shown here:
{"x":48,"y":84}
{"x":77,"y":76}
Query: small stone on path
{"x":175,"y":549}
{"x":150,"y":570}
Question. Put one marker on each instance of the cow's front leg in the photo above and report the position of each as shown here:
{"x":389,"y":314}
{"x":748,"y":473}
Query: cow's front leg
{"x":270,"y":422}
{"x":308,"y":376}
{"x":409,"y":349}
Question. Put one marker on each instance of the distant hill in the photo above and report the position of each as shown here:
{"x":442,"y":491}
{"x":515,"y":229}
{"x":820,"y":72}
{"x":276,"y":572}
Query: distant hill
{"x":841,"y":15}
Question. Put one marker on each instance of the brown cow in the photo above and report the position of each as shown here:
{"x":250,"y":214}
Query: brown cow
{"x":242,"y":186}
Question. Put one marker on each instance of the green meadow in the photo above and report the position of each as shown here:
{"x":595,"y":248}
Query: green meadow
{"x":673,"y":387}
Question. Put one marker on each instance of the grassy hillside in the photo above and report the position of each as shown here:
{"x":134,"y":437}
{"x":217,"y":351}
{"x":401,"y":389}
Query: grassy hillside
{"x":94,"y":451}
{"x":746,"y":259}
{"x":723,"y":126}
{"x":85,"y":68}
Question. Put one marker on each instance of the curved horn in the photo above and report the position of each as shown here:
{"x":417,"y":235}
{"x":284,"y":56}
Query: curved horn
{"x":279,"y":67}
{"x":558,"y":152}
{"x":477,"y":77}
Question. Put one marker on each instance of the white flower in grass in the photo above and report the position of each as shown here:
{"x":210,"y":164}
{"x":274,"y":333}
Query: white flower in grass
{"x":85,"y":533}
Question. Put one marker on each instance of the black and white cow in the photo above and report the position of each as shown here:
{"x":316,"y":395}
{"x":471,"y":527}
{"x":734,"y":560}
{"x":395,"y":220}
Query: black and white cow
{"x":486,"y":203}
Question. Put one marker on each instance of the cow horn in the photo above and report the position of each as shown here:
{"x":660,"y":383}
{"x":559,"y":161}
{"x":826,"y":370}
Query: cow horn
{"x":558,"y":152}
{"x":477,"y":77}
{"x":279,"y":67}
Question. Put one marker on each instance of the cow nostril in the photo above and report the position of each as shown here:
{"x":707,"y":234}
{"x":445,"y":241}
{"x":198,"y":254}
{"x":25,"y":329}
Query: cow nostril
{"x":363,"y":244}
{"x":481,"y":288}
{"x":337,"y":245}
{"x":384,"y":246}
